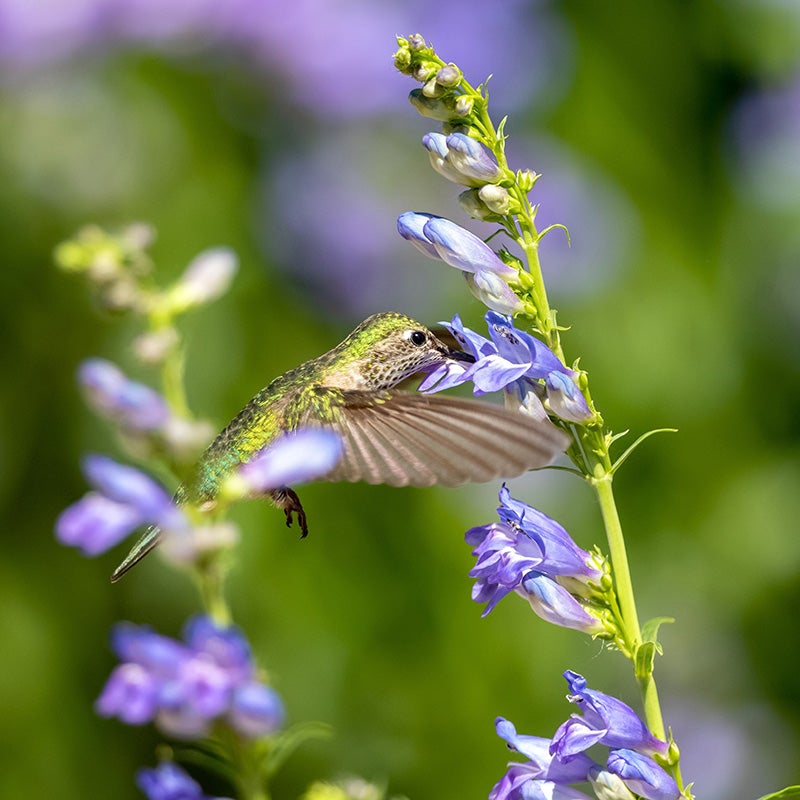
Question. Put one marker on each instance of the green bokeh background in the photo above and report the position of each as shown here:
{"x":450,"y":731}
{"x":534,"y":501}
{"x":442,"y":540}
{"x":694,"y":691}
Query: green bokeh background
{"x":368,"y":625}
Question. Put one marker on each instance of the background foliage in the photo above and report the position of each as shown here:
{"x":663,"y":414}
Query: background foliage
{"x":668,"y":137}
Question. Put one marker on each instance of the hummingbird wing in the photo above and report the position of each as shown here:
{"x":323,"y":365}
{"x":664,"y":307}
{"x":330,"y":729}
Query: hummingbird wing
{"x":420,"y":440}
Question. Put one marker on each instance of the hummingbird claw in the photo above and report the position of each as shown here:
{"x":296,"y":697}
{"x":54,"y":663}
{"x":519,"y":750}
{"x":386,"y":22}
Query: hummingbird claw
{"x":286,"y":499}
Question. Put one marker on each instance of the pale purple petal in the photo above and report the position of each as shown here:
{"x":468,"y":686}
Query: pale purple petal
{"x":256,"y":710}
{"x":297,"y":457}
{"x":94,"y":523}
{"x":130,"y":694}
{"x":459,"y":248}
{"x":554,"y":604}
{"x":642,"y":775}
{"x":410,"y":225}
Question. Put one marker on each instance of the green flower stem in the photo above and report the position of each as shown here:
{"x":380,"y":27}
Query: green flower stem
{"x":601,"y":481}
{"x":210,"y":580}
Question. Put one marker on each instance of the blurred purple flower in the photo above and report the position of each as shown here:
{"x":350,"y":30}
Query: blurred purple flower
{"x":185,"y":686}
{"x":111,"y":393}
{"x":298,"y":457}
{"x":605,"y":720}
{"x":309,"y":47}
{"x":126,"y":498}
{"x":169,"y":782}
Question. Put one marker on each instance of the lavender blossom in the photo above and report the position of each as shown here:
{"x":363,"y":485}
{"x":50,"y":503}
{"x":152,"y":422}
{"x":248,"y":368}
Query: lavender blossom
{"x":532,"y":555}
{"x":125,"y":499}
{"x":517,"y":362}
{"x":169,"y":782}
{"x":112,"y":394}
{"x":605,"y":720}
{"x":186,"y":686}
{"x":642,"y":775}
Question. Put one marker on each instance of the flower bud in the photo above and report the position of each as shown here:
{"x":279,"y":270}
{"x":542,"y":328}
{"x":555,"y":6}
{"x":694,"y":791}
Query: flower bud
{"x":496,"y":198}
{"x":424,"y":72}
{"x":207,"y":277}
{"x":526,"y":178}
{"x":459,"y":248}
{"x":410,"y":225}
{"x":432,"y":89}
{"x":402,"y":58}
{"x":472,"y":160}
{"x":471,"y":202}
{"x":430,"y":107}
{"x":416,"y":42}
{"x":464,"y":105}
{"x":449,"y":76}
{"x":493,"y":292}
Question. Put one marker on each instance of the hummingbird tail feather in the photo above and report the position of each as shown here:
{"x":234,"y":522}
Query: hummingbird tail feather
{"x":148,"y":541}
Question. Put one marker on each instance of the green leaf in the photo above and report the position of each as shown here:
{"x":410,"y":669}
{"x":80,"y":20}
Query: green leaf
{"x":783,"y":794}
{"x":650,"y":629}
{"x":644,"y":659}
{"x":286,"y":743}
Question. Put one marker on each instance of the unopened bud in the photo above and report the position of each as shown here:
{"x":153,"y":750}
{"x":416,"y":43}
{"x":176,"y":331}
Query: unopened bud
{"x":526,"y":178}
{"x":417,"y":42}
{"x":424,"y":72}
{"x":449,"y":76}
{"x":464,"y":105}
{"x":429,"y":107}
{"x":474,"y":206}
{"x":432,"y":88}
{"x":496,"y":198}
{"x":402,"y":59}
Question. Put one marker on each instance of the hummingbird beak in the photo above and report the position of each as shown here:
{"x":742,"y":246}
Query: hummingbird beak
{"x":448,"y":346}
{"x":459,"y":355}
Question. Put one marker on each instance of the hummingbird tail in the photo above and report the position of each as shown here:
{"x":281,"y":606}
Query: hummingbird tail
{"x":148,"y":541}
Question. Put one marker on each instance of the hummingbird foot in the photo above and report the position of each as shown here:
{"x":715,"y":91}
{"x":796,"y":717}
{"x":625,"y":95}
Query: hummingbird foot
{"x":286,"y":499}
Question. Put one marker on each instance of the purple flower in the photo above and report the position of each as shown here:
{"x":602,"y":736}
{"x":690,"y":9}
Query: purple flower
{"x":126,"y":498}
{"x":531,"y":554}
{"x":642,"y":775}
{"x":515,"y":361}
{"x":605,"y":720}
{"x":186,"y":686}
{"x":452,"y":244}
{"x":493,"y":292}
{"x":553,"y":603}
{"x":169,"y":782}
{"x":256,"y":710}
{"x":462,"y":159}
{"x":111,"y":393}
{"x":296,"y":457}
{"x":542,"y":764}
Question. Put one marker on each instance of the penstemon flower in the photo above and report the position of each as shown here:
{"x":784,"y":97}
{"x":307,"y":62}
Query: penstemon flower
{"x":168,"y":781}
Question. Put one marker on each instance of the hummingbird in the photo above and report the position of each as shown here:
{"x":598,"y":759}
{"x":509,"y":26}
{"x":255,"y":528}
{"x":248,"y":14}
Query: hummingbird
{"x":390,"y":436}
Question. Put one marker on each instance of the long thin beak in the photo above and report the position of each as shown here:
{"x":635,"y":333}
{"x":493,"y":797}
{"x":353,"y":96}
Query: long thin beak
{"x":460,"y":355}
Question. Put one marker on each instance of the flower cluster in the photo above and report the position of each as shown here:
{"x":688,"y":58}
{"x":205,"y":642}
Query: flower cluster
{"x":185,"y":687}
{"x":555,"y":764}
{"x":529,"y":553}
{"x":533,"y":378}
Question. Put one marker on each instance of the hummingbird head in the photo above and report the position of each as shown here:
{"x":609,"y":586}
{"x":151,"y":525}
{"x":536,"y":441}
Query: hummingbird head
{"x":389,"y":347}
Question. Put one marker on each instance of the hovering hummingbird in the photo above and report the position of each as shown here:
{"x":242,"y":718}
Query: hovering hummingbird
{"x":392,"y":437}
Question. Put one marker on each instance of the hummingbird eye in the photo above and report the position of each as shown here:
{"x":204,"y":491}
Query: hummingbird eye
{"x":417,"y":338}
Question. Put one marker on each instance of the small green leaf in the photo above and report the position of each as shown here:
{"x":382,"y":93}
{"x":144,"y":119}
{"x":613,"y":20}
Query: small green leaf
{"x":789,"y":793}
{"x":282,"y":746}
{"x":650,"y":629}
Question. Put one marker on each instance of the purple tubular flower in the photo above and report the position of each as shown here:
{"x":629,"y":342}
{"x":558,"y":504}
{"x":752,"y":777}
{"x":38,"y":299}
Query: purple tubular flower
{"x":410,"y":225}
{"x":517,"y":362}
{"x":474,"y":162}
{"x":527,"y":553}
{"x":111,"y":393}
{"x":131,"y":487}
{"x":459,"y":248}
{"x":605,"y":720}
{"x":94,"y":523}
{"x":131,"y":693}
{"x":186,"y":686}
{"x":564,"y":557}
{"x":127,"y":498}
{"x":553,"y":603}
{"x":169,"y":782}
{"x":256,"y":710}
{"x":542,"y":763}
{"x":642,"y":775}
{"x":297,"y":457}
